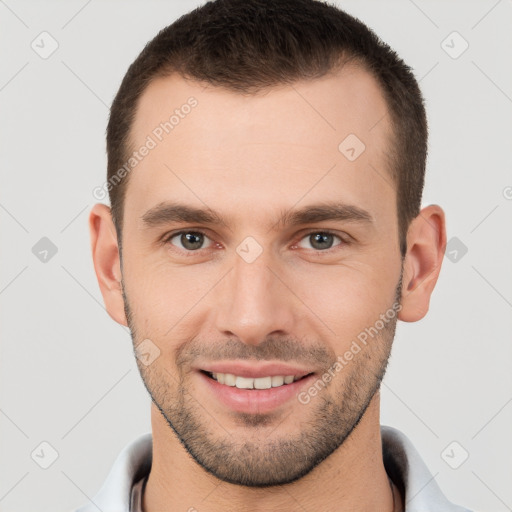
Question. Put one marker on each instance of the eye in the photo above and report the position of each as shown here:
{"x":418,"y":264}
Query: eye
{"x":320,"y":241}
{"x":189,"y":240}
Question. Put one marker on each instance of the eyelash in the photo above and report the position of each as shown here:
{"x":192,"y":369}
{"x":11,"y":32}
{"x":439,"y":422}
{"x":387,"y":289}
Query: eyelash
{"x":343,"y":241}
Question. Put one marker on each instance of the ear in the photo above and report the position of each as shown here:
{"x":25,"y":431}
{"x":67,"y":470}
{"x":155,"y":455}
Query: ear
{"x":107,"y":264}
{"x":426,"y":243}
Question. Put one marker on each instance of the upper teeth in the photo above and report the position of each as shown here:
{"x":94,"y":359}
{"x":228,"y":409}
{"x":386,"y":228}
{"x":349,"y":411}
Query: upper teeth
{"x":253,"y":383}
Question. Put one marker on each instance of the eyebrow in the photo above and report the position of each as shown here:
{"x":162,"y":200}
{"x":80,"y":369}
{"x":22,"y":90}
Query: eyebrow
{"x":167,"y":213}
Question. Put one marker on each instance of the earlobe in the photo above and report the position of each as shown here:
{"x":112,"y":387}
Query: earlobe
{"x":426,"y":242}
{"x":107,"y":264}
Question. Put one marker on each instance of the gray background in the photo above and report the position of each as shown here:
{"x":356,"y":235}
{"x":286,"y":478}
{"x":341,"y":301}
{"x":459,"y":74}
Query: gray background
{"x":68,"y":376}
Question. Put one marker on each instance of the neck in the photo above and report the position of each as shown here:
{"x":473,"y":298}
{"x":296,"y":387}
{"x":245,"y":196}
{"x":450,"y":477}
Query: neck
{"x":353,"y":478}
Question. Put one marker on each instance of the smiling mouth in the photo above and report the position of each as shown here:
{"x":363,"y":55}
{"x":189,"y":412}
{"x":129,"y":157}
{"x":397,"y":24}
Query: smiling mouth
{"x":274,"y":381}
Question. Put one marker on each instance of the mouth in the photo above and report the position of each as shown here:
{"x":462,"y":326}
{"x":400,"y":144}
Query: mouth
{"x":253,"y":390}
{"x":267,"y":382}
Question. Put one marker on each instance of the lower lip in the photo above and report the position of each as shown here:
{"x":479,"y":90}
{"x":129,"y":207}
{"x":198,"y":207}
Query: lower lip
{"x":254,"y":401}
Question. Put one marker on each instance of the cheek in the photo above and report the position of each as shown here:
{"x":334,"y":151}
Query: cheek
{"x":161,"y":298}
{"x":347,"y":299}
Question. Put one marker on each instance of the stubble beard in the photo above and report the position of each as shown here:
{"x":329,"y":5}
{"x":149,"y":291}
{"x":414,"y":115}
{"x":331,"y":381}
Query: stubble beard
{"x":263,"y":458}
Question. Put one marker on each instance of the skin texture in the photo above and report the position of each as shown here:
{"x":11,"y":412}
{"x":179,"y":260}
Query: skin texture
{"x":249,"y":159}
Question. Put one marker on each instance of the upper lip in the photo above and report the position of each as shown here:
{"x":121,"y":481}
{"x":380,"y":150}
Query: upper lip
{"x":255,"y":370}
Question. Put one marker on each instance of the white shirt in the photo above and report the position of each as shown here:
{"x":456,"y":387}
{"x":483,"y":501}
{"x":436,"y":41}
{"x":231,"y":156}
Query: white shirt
{"x":123,"y":488}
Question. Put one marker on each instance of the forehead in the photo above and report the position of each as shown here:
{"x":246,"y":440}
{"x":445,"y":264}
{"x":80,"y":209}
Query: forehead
{"x":274,"y":144}
{"x":349,"y":100}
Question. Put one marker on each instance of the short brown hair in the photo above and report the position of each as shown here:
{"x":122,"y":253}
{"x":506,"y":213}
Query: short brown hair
{"x":250,"y":45}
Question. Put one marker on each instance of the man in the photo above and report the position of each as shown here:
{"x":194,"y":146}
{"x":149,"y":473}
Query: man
{"x":265,"y":169}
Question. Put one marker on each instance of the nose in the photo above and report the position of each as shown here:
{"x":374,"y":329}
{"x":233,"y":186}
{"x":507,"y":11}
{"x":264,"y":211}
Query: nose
{"x":254,"y":302}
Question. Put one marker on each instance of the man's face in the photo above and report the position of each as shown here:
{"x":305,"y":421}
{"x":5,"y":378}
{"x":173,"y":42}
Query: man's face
{"x":253,"y":296}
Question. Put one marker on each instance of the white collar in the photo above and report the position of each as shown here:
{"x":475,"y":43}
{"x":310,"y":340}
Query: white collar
{"x":403,"y":464}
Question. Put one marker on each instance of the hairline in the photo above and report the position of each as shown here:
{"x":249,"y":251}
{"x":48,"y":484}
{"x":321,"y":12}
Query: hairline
{"x":344,"y":59}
